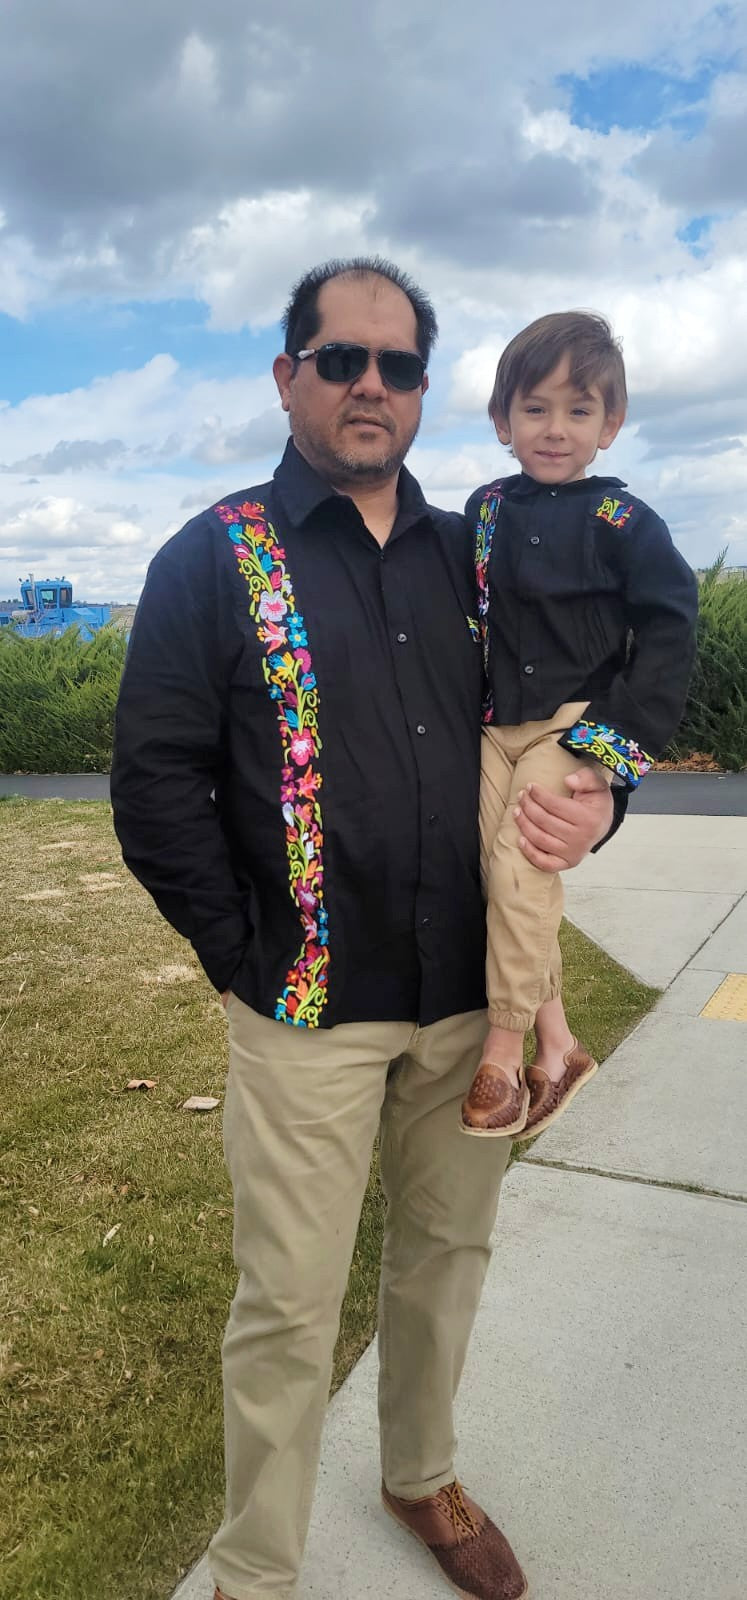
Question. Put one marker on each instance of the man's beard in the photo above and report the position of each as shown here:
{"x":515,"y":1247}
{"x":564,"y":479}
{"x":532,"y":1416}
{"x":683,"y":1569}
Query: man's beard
{"x":341,"y":467}
{"x":347,"y":467}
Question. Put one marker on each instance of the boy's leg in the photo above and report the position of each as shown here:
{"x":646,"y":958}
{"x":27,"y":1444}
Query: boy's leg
{"x":301,"y":1114}
{"x":525,"y":905}
{"x":524,"y":910}
{"x":497,"y":1100}
{"x":496,"y":774}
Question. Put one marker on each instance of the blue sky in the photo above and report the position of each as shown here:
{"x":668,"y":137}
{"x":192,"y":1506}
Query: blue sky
{"x":149,"y":236}
{"x":632,"y":95}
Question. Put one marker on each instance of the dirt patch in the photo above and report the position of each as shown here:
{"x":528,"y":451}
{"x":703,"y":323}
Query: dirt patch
{"x":173,"y":973}
{"x":100,"y":882}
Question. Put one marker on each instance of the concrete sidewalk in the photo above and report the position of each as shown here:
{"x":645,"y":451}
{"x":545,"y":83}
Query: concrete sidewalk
{"x":602,"y":1411}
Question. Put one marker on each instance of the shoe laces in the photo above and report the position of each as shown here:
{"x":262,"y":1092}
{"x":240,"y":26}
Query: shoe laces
{"x":453,"y":1501}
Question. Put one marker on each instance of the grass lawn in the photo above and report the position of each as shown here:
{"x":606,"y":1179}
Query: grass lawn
{"x":116,"y":1240}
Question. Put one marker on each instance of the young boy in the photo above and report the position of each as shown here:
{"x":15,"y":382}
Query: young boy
{"x":587,"y":615}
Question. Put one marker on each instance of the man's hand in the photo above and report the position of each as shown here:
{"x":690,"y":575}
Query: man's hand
{"x":555,"y":832}
{"x":224,"y":998}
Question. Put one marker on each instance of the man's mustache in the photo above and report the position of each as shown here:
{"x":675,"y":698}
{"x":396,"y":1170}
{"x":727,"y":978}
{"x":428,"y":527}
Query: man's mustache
{"x":377,"y":417}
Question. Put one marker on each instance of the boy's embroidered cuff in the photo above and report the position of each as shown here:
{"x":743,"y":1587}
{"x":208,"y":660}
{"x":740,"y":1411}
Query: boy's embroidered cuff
{"x":605,"y":744}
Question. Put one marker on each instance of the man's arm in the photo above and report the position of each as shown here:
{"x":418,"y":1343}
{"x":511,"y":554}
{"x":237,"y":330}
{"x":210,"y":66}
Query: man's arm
{"x":168,"y":751}
{"x":555,"y":832}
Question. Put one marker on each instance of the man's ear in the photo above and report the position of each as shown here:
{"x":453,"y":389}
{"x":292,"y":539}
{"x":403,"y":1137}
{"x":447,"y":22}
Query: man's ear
{"x":502,"y":428}
{"x":426,"y":385}
{"x":282,"y":372}
{"x":612,"y":424}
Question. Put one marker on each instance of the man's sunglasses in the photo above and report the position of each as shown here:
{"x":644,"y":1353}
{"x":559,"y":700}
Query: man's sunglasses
{"x":343,"y":363}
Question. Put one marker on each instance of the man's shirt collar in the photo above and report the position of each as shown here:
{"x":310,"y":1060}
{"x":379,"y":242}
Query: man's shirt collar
{"x":303,"y":492}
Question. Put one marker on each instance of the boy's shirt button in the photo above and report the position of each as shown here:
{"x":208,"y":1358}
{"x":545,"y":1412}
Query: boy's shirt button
{"x":534,"y":539}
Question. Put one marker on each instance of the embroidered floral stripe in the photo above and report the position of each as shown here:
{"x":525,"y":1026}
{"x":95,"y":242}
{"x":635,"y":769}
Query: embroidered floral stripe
{"x":483,"y":544}
{"x":290,"y":678}
{"x":623,"y":755}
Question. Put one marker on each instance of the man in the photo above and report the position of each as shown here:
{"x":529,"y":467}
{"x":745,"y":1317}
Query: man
{"x":296,"y":783}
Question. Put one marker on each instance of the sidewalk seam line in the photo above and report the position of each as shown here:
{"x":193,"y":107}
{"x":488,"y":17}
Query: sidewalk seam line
{"x":713,"y":931}
{"x":632,"y":1177}
{"x":663,"y":988}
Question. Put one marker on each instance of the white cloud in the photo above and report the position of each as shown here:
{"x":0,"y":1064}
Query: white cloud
{"x":154,"y":405}
{"x":158,"y":416}
{"x":234,"y":147}
{"x":247,"y":286}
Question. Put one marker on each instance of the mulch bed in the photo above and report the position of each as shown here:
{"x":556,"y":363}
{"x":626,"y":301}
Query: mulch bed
{"x":697,"y":762}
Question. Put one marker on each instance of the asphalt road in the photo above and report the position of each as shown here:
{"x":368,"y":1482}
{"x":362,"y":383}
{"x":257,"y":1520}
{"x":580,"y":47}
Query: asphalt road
{"x":56,"y":786}
{"x":692,"y":794}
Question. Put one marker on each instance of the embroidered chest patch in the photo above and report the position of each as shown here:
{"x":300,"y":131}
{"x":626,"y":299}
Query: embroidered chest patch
{"x":615,"y":512}
{"x":289,"y":675}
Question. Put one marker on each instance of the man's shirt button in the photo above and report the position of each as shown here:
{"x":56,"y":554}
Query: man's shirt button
{"x":425,"y":922}
{"x":433,"y":818}
{"x":420,"y":728}
{"x":553,"y":493}
{"x":534,"y":539}
{"x":401,"y":638}
{"x":528,"y":670}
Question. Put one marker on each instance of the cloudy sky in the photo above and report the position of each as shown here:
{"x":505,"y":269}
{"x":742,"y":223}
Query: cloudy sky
{"x":168,"y":169}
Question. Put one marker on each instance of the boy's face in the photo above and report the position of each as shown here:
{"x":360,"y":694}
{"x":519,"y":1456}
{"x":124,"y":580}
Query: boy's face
{"x":556,"y":430}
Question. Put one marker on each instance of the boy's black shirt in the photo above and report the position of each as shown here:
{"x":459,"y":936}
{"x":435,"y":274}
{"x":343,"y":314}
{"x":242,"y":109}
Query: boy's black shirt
{"x":567,"y":586}
{"x":397,"y":666}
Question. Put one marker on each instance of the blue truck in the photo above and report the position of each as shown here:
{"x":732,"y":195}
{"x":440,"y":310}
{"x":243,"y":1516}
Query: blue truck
{"x":47,"y":606}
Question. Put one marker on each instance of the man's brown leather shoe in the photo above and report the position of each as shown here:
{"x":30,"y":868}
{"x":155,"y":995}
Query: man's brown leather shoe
{"x":472,"y":1553}
{"x":547,"y":1099}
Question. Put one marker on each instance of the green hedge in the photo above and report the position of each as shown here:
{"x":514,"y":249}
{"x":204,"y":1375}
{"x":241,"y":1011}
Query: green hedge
{"x":57,"y":699}
{"x":715,"y":718}
{"x":57,"y":695}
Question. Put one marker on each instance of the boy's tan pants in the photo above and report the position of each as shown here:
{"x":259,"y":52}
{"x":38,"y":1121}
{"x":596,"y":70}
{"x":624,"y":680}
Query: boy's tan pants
{"x":302,"y":1111}
{"x":525,"y":905}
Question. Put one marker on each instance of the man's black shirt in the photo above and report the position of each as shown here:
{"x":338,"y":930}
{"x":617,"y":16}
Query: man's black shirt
{"x":334,"y":876}
{"x":397,"y":670}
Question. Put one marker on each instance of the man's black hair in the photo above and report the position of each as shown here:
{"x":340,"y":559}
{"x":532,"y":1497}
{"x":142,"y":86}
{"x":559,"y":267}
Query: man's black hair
{"x":301,"y":316}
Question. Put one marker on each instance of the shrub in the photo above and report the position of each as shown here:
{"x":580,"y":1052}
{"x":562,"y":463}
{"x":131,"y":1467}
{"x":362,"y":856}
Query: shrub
{"x":715,"y":716}
{"x":57,"y":695}
{"x":57,"y":700}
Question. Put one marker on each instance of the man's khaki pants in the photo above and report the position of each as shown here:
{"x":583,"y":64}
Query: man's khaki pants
{"x":302,"y":1111}
{"x":525,"y":905}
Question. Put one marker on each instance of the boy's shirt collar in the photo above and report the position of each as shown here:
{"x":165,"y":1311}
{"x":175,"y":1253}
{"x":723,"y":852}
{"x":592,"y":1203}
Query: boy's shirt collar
{"x":521,"y":485}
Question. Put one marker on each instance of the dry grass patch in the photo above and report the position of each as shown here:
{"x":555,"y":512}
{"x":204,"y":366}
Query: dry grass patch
{"x":116,"y":1216}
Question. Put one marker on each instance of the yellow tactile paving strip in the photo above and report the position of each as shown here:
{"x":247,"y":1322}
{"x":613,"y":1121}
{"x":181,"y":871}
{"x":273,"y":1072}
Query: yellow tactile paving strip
{"x":729,"y":1003}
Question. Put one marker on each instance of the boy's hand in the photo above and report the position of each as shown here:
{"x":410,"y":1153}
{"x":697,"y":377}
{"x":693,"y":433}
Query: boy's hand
{"x":555,"y":832}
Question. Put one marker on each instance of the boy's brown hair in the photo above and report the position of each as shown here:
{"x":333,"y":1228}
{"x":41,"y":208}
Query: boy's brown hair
{"x":584,"y":336}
